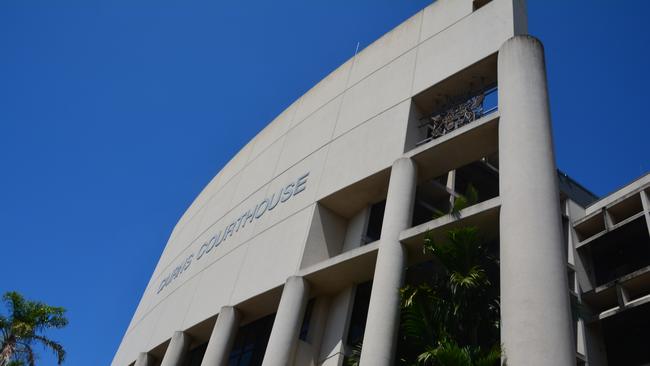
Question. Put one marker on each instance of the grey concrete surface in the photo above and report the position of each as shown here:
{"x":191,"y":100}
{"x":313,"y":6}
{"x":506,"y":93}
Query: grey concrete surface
{"x":144,"y":359}
{"x":222,"y":337}
{"x":535,"y":311}
{"x":177,"y":349}
{"x":383,"y":313}
{"x":281,"y":348}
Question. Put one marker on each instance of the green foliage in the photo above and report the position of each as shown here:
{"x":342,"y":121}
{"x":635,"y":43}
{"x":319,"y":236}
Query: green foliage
{"x":461,"y":201}
{"x":24,"y":326}
{"x":452,"y":318}
{"x":355,"y":355}
{"x":449,"y":353}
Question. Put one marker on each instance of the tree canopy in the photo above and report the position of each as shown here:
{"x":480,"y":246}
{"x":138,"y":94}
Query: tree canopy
{"x":24,"y":326}
{"x":451,"y":317}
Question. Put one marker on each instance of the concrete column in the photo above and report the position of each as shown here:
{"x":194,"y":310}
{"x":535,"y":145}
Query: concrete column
{"x":536,"y":318}
{"x":317,"y":325}
{"x":222,"y":338}
{"x":144,"y":359}
{"x":175,"y":354}
{"x":382,"y":325}
{"x":645,"y":201}
{"x":281,"y":348}
{"x":332,"y":350}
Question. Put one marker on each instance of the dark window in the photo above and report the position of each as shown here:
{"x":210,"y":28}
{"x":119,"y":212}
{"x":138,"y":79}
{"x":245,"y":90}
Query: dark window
{"x":195,"y":356}
{"x":306,"y":321}
{"x":626,"y":337}
{"x":621,"y":251}
{"x":431,"y":200}
{"x":374,"y":222}
{"x":250,"y":343}
{"x":359,"y":313}
{"x":421,"y":213}
{"x":481,"y":175}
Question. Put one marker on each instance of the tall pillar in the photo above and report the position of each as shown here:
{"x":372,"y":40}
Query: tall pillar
{"x":144,"y":359}
{"x":281,"y":348}
{"x":222,"y":338}
{"x":382,"y":326}
{"x":536,"y":326}
{"x":175,"y":354}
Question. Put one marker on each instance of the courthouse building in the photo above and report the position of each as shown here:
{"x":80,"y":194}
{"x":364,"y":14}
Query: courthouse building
{"x":295,"y":251}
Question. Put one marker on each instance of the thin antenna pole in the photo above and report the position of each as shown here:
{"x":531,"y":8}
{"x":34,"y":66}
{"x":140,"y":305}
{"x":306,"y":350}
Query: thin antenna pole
{"x":357,"y":49}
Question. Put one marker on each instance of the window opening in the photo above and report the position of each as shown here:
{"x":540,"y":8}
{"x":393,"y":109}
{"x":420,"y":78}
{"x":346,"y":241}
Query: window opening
{"x":375,"y":221}
{"x":306,"y":321}
{"x":195,"y":356}
{"x":250,"y":343}
{"x":359,"y":313}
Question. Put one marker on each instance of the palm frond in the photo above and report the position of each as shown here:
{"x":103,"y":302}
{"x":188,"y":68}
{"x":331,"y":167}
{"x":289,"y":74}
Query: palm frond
{"x":491,"y":358}
{"x":463,"y":201}
{"x":452,"y":318}
{"x":446,"y":353}
{"x":25,"y":354}
{"x":24,"y":325}
{"x":354,"y":358}
{"x":54,"y":346}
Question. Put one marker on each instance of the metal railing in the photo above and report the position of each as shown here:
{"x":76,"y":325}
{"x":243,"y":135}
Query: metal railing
{"x":459,"y":114}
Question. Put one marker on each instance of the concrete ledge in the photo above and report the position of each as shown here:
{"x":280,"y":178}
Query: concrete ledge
{"x":629,"y":189}
{"x":604,"y":297}
{"x":459,"y":147}
{"x":632,"y":304}
{"x":602,"y":233}
{"x":484,"y":215}
{"x":336,"y":273}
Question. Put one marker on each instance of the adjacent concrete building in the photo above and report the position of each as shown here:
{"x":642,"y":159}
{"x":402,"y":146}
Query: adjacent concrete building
{"x":296,"y":250}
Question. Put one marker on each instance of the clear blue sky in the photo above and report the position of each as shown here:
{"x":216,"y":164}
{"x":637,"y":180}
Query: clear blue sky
{"x":115,"y":114}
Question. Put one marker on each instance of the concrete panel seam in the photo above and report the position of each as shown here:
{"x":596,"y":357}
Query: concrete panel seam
{"x":417,"y":52}
{"x":299,"y":100}
{"x":181,"y":284}
{"x":417,"y":46}
{"x":196,"y":289}
{"x":234,"y":286}
{"x":265,"y":185}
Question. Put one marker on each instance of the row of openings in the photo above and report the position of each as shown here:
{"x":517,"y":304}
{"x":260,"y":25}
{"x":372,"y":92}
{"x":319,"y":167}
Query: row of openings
{"x":252,"y":339}
{"x":332,"y":233}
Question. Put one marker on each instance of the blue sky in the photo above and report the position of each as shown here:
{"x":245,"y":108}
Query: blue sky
{"x":115,"y":114}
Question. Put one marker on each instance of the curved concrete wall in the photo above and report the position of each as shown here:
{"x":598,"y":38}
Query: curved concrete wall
{"x":350,"y":125}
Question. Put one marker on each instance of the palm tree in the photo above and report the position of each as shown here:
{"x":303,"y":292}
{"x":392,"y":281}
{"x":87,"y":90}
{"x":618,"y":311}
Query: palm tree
{"x":460,"y":202}
{"x":24,"y":326}
{"x":452,"y":317}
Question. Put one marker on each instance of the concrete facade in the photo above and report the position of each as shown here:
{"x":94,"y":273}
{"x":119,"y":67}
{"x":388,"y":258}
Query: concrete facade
{"x":330,"y":195}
